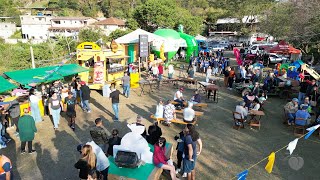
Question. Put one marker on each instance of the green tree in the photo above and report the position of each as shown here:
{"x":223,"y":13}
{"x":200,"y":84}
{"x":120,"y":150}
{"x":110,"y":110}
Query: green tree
{"x":132,"y":24}
{"x":90,"y":35}
{"x":118,"y":33}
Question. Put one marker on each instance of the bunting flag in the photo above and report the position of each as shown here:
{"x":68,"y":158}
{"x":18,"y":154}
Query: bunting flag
{"x":271,"y":159}
{"x":243,"y":175}
{"x":292,"y":145}
{"x":311,"y":130}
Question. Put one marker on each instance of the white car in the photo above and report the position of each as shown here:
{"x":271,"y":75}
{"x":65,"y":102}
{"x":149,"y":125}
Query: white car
{"x":275,"y":58}
{"x":217,"y":47}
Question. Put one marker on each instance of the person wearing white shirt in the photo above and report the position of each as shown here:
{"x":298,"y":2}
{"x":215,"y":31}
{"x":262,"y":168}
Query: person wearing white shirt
{"x":209,"y":72}
{"x":103,"y":163}
{"x":178,"y":97}
{"x":159,"y":110}
{"x":34,"y":105}
{"x":189,"y":114}
{"x":256,"y":105}
{"x":170,"y":71}
{"x":155,"y":71}
{"x":242,"y":111}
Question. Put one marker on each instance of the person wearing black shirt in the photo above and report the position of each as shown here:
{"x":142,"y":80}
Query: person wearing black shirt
{"x":154,"y":133}
{"x":70,"y":103}
{"x":302,"y":91}
{"x":85,"y":96}
{"x":114,"y":140}
{"x":114,"y":96}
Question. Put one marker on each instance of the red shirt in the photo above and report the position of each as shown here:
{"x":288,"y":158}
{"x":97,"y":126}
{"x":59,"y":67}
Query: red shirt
{"x":159,"y":155}
{"x":160,"y":68}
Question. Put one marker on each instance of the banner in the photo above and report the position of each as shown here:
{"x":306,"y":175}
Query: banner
{"x":98,"y":75}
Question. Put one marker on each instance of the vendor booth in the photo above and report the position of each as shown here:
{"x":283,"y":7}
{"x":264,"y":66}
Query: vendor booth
{"x":131,"y":43}
{"x":104,"y":64}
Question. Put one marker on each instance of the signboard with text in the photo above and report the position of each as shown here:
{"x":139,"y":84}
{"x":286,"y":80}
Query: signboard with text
{"x":143,"y":45}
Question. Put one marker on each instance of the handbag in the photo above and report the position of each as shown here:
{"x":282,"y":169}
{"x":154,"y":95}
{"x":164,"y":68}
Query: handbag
{"x":127,"y":159}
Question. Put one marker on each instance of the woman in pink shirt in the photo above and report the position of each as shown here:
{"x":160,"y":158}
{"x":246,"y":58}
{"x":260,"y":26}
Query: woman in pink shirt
{"x":160,"y":160}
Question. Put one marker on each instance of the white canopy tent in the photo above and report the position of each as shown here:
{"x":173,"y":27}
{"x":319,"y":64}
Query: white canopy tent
{"x":133,"y":37}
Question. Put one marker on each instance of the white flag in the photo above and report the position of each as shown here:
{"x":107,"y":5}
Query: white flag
{"x":292,"y":145}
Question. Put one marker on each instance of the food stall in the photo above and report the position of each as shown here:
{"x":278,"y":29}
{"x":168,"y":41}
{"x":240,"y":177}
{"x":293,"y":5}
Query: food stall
{"x":105,"y":63}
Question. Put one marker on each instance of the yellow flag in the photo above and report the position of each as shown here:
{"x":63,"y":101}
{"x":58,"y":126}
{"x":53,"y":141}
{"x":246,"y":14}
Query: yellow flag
{"x":271,"y":159}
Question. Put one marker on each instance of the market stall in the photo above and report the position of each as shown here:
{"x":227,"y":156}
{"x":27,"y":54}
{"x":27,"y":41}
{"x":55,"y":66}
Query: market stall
{"x":104,"y":64}
{"x":5,"y":85}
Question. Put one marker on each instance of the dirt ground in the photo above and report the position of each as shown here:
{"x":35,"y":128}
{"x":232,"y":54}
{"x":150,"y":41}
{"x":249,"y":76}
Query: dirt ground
{"x":226,"y":151}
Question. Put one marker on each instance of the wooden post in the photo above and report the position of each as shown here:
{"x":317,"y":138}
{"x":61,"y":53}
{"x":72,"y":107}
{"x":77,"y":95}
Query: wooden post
{"x":32,"y":58}
{"x":139,"y":67}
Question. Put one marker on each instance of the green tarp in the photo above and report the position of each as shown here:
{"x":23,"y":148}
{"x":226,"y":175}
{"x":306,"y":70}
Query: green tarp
{"x":44,"y":74}
{"x":5,"y":85}
{"x":141,"y":173}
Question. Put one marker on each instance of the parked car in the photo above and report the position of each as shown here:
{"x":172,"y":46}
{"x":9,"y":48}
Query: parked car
{"x":217,"y":47}
{"x":275,"y":58}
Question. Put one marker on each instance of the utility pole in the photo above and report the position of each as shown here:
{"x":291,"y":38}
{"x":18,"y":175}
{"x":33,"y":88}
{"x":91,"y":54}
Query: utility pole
{"x":32,"y":58}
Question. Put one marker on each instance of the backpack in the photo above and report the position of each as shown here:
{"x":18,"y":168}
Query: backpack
{"x":127,"y":159}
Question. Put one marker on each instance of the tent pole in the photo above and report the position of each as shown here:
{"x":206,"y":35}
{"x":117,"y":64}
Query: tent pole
{"x":139,"y":67}
{"x":32,"y":58}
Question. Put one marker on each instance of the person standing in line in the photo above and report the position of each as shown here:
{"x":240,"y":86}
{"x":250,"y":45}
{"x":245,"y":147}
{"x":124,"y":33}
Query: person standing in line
{"x":55,"y":105}
{"x":85,"y":94}
{"x":160,"y":69}
{"x":170,"y":71}
{"x":126,"y":85}
{"x":14,"y":114}
{"x":114,"y":96}
{"x":6,"y":168}
{"x":27,"y":129}
{"x":70,"y":108}
{"x":99,"y":134}
{"x":34,"y":105}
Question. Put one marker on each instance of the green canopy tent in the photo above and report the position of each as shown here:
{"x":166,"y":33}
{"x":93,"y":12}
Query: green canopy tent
{"x":44,"y":74}
{"x":192,"y":45}
{"x":5,"y":85}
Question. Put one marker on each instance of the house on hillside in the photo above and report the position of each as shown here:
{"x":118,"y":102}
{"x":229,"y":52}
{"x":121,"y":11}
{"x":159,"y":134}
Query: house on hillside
{"x":111,"y":24}
{"x":232,"y":26}
{"x":35,"y":27}
{"x":7,"y":29}
{"x":68,"y":26}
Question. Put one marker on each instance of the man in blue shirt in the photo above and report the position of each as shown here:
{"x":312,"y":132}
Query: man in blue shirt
{"x":302,"y":116}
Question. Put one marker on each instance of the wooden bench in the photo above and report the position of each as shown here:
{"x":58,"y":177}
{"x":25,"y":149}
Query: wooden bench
{"x":178,"y":121}
{"x":201,"y":105}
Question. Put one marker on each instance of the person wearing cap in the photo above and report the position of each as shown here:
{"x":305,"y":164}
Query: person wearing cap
{"x":302,"y":116}
{"x":291,"y":108}
{"x":139,"y":123}
{"x":178,"y":97}
{"x":70,"y":103}
{"x":242,"y":110}
{"x":85,"y":96}
{"x":188,"y":114}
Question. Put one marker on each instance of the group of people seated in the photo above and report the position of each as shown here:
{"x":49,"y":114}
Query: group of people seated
{"x":298,"y":115}
{"x":168,"y":110}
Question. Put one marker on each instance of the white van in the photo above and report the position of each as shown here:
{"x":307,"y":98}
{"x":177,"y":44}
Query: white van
{"x":258,"y":48}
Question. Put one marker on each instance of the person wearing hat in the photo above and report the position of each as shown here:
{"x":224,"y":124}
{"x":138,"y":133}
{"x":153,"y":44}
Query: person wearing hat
{"x":302,"y":116}
{"x":178,"y":97}
{"x":291,"y":108}
{"x":70,"y":103}
{"x":242,"y":110}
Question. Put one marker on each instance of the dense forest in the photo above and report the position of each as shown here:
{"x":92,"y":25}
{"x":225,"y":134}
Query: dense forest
{"x":296,"y":21}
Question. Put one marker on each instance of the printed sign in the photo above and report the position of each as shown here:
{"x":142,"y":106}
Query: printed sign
{"x":98,"y":76}
{"x":143,"y":45}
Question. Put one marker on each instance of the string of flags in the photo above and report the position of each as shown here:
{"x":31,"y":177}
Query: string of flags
{"x":271,"y":158}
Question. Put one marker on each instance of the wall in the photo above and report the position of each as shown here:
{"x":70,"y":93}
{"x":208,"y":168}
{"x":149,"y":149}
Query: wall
{"x":7,"y":29}
{"x":35,"y":27}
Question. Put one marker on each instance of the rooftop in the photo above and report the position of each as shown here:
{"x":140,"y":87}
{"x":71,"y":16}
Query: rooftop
{"x":111,"y":21}
{"x":70,"y":18}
